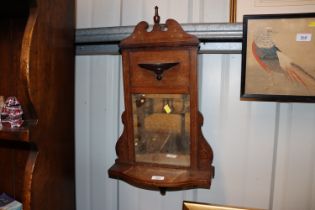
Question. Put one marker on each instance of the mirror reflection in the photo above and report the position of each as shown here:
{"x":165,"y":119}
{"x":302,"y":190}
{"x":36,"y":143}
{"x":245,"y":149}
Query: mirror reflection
{"x":161,"y":124}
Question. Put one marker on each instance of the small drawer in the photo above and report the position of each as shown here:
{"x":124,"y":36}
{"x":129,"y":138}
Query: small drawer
{"x":175,"y":76}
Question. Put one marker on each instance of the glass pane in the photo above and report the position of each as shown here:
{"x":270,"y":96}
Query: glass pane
{"x":162,"y":128}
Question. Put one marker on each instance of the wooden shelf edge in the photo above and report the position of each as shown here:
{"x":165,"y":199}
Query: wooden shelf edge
{"x":17,"y":134}
{"x":157,"y":178}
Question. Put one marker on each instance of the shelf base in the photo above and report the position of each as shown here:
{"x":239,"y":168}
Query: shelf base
{"x":161,"y":178}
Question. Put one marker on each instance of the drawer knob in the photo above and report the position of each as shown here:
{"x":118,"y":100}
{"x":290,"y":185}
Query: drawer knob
{"x":158,"y":68}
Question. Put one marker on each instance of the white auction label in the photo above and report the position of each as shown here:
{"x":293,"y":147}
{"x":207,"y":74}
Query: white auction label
{"x":171,"y":156}
{"x":303,"y":37}
{"x":159,"y":178}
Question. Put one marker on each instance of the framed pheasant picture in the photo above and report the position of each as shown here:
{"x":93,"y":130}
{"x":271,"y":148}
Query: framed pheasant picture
{"x":278,"y":57}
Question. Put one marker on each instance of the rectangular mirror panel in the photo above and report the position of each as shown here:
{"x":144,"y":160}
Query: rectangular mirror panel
{"x":161,"y":125}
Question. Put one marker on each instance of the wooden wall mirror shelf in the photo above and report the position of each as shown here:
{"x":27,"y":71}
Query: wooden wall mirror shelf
{"x":162,"y":146}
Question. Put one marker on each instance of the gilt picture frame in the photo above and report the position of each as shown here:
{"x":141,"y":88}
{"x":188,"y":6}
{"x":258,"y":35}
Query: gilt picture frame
{"x":206,"y":206}
{"x":278,"y":58}
{"x":239,"y":8}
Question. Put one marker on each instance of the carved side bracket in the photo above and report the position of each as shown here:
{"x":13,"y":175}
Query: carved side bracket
{"x":28,"y":177}
{"x":25,"y":64}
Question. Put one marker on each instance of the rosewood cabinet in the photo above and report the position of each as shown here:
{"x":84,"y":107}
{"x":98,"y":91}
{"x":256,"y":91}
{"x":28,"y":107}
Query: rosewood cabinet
{"x":37,"y":66}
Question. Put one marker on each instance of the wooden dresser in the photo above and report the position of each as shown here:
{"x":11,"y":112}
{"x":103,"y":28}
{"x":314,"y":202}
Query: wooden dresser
{"x":37,"y":66}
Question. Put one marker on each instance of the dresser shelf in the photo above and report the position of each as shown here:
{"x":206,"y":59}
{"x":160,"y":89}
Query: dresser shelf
{"x":18,"y":134}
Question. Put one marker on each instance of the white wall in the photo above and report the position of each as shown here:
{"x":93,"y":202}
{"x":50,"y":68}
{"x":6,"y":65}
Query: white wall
{"x":264,"y":152}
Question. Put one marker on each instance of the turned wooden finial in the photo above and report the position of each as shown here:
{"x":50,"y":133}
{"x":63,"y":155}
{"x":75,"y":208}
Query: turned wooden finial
{"x":156,"y":17}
